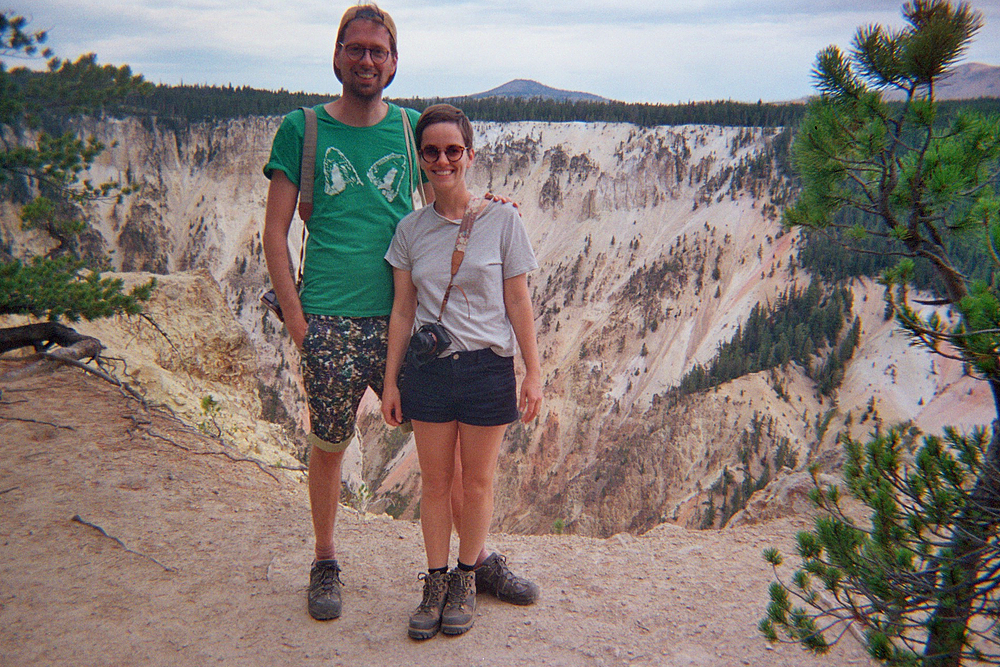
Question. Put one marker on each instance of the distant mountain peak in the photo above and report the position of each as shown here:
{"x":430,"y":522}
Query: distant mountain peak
{"x":971,"y":80}
{"x":527,"y":88}
{"x":966,"y":82}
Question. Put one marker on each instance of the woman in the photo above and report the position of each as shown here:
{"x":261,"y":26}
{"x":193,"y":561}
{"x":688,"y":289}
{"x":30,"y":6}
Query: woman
{"x":465,"y":386}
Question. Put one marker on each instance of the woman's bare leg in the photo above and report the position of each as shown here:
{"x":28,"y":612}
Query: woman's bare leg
{"x":479,"y":451}
{"x":436,"y":452}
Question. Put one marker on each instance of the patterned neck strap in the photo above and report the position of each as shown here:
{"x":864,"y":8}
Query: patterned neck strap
{"x":464,"y":231}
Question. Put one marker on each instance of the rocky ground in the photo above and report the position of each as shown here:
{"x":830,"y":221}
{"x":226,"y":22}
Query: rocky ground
{"x":130,"y":538}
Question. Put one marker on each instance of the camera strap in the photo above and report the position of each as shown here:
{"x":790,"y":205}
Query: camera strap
{"x":464,"y":231}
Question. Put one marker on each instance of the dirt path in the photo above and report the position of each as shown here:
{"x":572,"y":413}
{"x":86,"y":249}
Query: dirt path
{"x":205,"y":559}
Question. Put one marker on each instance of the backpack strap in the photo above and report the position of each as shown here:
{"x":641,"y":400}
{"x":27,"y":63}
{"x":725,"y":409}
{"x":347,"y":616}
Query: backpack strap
{"x":307,"y":177}
{"x":307,"y":169}
{"x":416,"y":187}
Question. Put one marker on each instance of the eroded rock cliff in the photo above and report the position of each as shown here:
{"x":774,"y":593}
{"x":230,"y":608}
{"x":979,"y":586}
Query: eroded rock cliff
{"x":654,"y":246}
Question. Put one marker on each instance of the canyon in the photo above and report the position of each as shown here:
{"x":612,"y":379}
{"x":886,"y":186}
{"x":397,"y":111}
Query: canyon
{"x":654,"y":245}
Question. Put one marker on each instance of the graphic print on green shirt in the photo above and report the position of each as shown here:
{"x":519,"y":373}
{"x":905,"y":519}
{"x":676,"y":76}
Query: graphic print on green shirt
{"x":361,"y":193}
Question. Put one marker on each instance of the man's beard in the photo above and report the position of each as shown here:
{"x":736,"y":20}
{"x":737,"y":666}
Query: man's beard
{"x":364,"y":93}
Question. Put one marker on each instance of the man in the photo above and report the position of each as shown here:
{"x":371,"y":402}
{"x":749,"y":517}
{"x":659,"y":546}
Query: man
{"x":362,"y":190}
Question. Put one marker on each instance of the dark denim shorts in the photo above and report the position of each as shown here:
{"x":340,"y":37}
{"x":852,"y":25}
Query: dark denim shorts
{"x":476,"y":388}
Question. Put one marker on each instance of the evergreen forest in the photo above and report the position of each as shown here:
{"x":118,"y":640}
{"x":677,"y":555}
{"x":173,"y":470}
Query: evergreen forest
{"x":824,"y":253}
{"x":804,"y":326}
{"x":201,"y":103}
{"x":209,"y":103}
{"x":212,"y":103}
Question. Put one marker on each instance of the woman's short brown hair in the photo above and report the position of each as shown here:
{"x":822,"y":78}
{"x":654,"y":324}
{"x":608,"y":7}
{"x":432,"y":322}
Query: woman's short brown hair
{"x":443,"y":113}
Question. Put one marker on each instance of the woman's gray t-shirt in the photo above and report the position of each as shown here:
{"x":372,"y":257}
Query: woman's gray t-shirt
{"x":498,"y":249}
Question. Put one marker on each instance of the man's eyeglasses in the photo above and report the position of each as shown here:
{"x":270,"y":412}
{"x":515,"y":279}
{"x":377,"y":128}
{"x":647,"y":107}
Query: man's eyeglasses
{"x":454,"y":153}
{"x":356,"y":53}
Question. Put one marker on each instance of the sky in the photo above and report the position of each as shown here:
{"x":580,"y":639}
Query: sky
{"x":655,"y":51}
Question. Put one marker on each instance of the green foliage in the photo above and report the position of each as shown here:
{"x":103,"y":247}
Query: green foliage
{"x":210,"y":410}
{"x":42,"y":171}
{"x":13,"y":38}
{"x":917,"y":190}
{"x":184,"y":104}
{"x":78,"y":87}
{"x":823,"y":423}
{"x":888,"y":574}
{"x":46,"y":167}
{"x":761,"y":451}
{"x":896,"y":181}
{"x":799,"y":327}
{"x":361,"y":498}
{"x":62,"y":287}
{"x":846,"y":251}
{"x":194,"y":103}
{"x":14,"y":41}
{"x":720,"y":112}
{"x":189,"y":103}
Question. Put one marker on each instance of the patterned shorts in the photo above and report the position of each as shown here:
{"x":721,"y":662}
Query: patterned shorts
{"x":341,"y":357}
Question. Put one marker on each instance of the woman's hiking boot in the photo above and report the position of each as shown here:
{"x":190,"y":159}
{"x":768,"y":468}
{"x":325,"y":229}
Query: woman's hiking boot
{"x":324,"y":590}
{"x":460,"y":608}
{"x":426,"y":620}
{"x":494,"y":577}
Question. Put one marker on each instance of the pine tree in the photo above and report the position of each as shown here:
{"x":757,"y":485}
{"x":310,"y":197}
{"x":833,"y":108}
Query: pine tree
{"x":922,"y":579}
{"x":41,"y":172}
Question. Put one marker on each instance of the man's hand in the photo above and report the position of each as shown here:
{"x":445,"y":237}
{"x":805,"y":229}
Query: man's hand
{"x":501,"y":199}
{"x":297,"y":330}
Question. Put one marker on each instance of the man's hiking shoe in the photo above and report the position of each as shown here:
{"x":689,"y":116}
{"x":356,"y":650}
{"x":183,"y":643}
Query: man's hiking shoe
{"x":494,"y":577}
{"x":460,"y":607}
{"x":426,"y":620}
{"x":324,"y":590}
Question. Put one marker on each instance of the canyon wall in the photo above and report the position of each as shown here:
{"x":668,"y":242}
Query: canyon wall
{"x":654,"y":245}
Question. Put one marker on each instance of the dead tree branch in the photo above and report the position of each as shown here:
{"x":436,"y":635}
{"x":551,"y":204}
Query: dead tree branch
{"x":36,"y":421}
{"x":41,"y":336}
{"x":84,"y":347}
{"x":78,"y":519}
{"x":146,"y":427}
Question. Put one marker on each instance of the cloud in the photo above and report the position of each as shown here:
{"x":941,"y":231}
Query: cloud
{"x":758,"y":57}
{"x":633,"y":50}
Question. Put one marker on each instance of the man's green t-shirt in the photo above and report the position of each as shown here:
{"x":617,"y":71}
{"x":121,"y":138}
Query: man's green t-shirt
{"x":361,"y":191}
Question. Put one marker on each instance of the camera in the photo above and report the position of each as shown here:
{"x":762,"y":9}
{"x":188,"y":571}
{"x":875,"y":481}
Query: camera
{"x":428,"y":343}
{"x":270,"y":301}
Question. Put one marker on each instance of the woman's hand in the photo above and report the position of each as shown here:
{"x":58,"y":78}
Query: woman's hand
{"x":517,"y":301}
{"x":392,"y":409}
{"x":531,"y":398}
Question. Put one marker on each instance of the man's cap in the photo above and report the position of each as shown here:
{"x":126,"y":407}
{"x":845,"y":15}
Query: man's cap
{"x":370,"y":12}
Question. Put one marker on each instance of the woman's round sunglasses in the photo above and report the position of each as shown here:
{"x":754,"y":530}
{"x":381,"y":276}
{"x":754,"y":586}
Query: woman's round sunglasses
{"x":454,"y":153}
